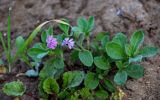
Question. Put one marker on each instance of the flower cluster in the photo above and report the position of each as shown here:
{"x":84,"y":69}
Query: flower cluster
{"x":52,"y":42}
{"x":68,"y":42}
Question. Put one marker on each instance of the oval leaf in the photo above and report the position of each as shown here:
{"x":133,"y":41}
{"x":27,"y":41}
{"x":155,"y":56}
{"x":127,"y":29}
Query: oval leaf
{"x":120,"y":77}
{"x":136,"y":39}
{"x":135,"y":71}
{"x":50,"y":70}
{"x":120,"y":39}
{"x":15,"y":88}
{"x":109,"y":85}
{"x":72,"y":78}
{"x":102,"y":94}
{"x":101,"y":63}
{"x":148,"y":51}
{"x":91,"y":81}
{"x":115,"y":51}
{"x":50,"y":86}
{"x":86,"y":58}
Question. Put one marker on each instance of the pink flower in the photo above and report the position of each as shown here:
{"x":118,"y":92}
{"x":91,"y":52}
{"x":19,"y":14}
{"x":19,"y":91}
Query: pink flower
{"x":51,"y":42}
{"x":68,"y":42}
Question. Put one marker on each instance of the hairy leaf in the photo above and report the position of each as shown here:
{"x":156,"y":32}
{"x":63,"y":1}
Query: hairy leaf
{"x":120,"y":39}
{"x":50,"y":70}
{"x":72,"y":78}
{"x":101,"y":62}
{"x":102,"y":94}
{"x":109,"y":85}
{"x":64,"y":27}
{"x":15,"y":88}
{"x":86,"y":58}
{"x":120,"y":77}
{"x":136,"y":39}
{"x":148,"y":51}
{"x":91,"y":81}
{"x":115,"y":51}
{"x":50,"y":86}
{"x":136,"y":59}
{"x":135,"y":71}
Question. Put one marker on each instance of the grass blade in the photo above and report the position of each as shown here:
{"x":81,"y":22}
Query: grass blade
{"x":33,"y":35}
{"x":9,"y":37}
{"x":3,"y":44}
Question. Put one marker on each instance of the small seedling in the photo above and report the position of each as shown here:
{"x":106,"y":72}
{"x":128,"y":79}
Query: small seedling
{"x":15,"y":88}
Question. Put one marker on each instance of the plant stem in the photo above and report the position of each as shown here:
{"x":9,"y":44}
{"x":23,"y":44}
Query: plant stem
{"x":3,"y":44}
{"x":9,"y":67}
{"x":88,"y":42}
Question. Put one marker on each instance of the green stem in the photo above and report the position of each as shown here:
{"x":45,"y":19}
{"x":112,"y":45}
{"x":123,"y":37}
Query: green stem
{"x":77,"y":49}
{"x":3,"y":44}
{"x":88,"y":42}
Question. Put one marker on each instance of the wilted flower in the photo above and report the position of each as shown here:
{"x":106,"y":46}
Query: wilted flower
{"x":68,"y":42}
{"x":51,"y":42}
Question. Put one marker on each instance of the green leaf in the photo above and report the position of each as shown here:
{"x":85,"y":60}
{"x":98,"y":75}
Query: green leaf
{"x":76,"y":31}
{"x":37,"y":53}
{"x":82,"y":24}
{"x":50,"y":86}
{"x":102,"y":94}
{"x":90,"y":23}
{"x":64,"y":27}
{"x":115,"y":51}
{"x":64,"y":95}
{"x":91,"y":81}
{"x":128,"y":50}
{"x":148,"y":51}
{"x":100,"y":35}
{"x":19,"y":41}
{"x":137,"y":58}
{"x":104,"y":40}
{"x":15,"y":88}
{"x":120,"y":39}
{"x":136,"y":39}
{"x":74,"y":56}
{"x":121,"y":65}
{"x":135,"y":71}
{"x":120,"y":78}
{"x":46,"y":33}
{"x":86,"y":58}
{"x":72,"y":78}
{"x":101,"y":62}
{"x":50,"y":70}
{"x":86,"y":94}
{"x":109,"y":85}
{"x":81,"y":39}
{"x":58,"y":63}
{"x":42,"y":94}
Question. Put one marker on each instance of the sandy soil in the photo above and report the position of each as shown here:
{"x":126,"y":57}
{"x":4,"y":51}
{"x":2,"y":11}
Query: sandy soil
{"x":138,"y":14}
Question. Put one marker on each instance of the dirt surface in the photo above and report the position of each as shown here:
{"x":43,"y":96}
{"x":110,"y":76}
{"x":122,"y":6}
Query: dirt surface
{"x":137,"y":14}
